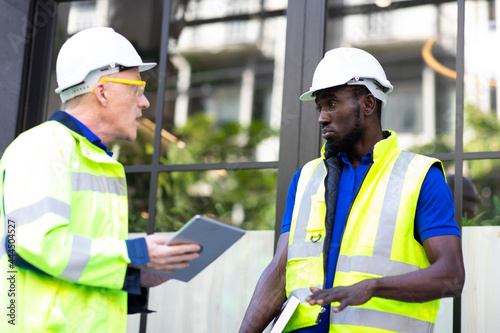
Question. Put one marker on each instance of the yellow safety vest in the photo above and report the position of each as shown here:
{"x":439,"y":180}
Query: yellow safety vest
{"x":378,"y":241}
{"x":66,"y":211}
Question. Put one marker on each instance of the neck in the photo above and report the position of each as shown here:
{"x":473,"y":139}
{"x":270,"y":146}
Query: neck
{"x":364,"y":146}
{"x":92,"y":122}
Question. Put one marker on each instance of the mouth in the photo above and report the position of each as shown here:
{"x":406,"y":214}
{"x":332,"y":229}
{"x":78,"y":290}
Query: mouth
{"x":327,"y":131}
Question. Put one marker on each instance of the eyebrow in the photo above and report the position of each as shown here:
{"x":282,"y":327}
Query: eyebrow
{"x":326,"y":95}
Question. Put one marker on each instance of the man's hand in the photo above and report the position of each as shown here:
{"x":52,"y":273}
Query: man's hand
{"x":357,"y":294}
{"x":168,"y":258}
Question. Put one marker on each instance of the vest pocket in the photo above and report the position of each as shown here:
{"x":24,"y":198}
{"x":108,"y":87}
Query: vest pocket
{"x":316,"y":224}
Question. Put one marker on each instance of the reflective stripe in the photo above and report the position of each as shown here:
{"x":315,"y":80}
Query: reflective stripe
{"x":305,"y":249}
{"x":379,"y":319}
{"x":390,"y":206}
{"x":374,"y":265}
{"x":30,"y":213}
{"x":89,"y":182}
{"x":299,"y":239}
{"x":380,"y":263}
{"x":302,"y":293}
{"x":79,"y":258}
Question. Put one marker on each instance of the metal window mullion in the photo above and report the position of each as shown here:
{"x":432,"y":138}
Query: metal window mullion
{"x":160,"y":101}
{"x":160,"y":98}
{"x":459,"y":145}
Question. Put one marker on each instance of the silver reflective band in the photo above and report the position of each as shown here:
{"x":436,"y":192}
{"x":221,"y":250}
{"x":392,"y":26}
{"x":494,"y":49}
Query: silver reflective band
{"x":299,"y":239}
{"x":32,"y":212}
{"x":379,"y":263}
{"x":379,"y":319}
{"x":390,"y":206}
{"x":374,"y":265}
{"x":302,"y":293}
{"x":79,"y":258}
{"x":304,"y":250}
{"x":88,"y":182}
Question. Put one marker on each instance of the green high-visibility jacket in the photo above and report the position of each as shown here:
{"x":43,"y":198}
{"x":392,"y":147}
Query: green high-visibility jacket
{"x":65,"y":210}
{"x":378,"y":241}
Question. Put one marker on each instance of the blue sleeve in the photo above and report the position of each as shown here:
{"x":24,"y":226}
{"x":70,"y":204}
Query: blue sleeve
{"x":435,"y":215}
{"x":137,"y":251}
{"x":138,"y":254}
{"x":137,"y":295}
{"x":290,"y":203}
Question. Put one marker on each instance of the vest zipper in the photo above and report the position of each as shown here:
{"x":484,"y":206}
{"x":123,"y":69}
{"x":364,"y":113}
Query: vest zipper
{"x":322,"y":310}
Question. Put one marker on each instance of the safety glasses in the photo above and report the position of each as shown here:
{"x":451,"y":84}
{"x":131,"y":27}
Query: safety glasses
{"x":140,"y":89}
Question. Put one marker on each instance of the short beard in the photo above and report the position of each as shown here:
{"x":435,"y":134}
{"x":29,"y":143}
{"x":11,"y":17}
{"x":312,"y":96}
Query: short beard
{"x":347,"y":142}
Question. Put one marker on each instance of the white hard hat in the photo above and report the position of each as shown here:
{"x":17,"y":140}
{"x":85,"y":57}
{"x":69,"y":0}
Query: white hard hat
{"x":90,"y":54}
{"x":349,"y":66}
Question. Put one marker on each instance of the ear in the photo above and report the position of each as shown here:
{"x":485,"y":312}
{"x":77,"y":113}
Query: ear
{"x":369,"y":105}
{"x":101,"y":93}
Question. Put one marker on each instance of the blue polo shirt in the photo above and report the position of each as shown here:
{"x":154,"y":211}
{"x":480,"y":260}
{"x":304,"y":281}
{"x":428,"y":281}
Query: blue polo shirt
{"x":435,"y":215}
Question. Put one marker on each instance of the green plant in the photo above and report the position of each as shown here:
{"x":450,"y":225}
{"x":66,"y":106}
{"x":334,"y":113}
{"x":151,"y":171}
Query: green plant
{"x":494,"y":220}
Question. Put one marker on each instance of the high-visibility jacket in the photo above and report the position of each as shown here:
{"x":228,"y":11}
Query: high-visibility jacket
{"x":378,"y":241}
{"x":67,"y":201}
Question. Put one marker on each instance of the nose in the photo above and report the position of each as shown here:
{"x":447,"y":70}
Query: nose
{"x":323,"y":118}
{"x":143,"y":102}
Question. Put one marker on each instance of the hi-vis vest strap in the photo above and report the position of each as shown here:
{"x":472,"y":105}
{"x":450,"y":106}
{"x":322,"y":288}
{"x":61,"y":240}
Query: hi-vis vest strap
{"x":68,"y":201}
{"x":378,"y":241}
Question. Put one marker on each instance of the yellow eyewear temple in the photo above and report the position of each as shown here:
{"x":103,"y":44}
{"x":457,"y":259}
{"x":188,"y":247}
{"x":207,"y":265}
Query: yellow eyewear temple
{"x":141,"y":84}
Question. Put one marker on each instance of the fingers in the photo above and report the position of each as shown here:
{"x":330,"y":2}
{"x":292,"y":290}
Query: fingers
{"x":339,"y":308}
{"x":169,"y":257}
{"x":316,"y":297}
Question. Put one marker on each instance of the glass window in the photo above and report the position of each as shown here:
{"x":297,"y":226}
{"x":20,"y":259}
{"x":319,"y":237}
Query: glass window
{"x":138,"y":201}
{"x":224,"y":84}
{"x":481,"y":192}
{"x":243,"y":198}
{"x":482,"y":51}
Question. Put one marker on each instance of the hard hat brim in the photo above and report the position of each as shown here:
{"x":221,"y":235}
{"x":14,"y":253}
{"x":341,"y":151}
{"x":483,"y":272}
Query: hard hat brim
{"x":307,"y":96}
{"x":146,"y":66}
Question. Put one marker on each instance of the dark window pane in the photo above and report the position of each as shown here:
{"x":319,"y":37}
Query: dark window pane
{"x":244,"y":198}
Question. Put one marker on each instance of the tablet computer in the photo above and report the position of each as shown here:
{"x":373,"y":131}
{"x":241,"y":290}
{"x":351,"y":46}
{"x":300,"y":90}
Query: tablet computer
{"x":214,"y":238}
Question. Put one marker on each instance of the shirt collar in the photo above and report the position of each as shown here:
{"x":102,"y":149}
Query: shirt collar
{"x":77,"y":126}
{"x":367,"y":159}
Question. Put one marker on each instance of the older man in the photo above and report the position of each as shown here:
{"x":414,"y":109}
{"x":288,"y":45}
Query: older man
{"x":65,"y":201}
{"x":368,"y":240}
